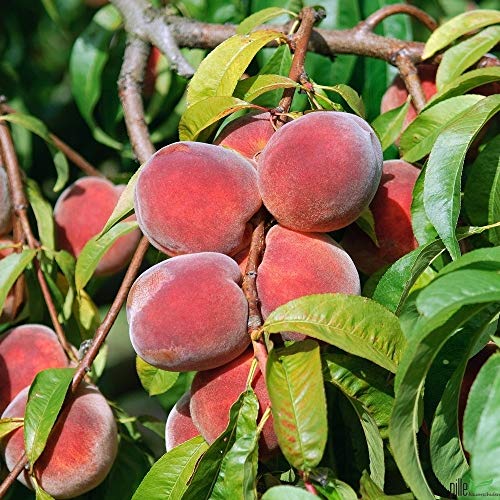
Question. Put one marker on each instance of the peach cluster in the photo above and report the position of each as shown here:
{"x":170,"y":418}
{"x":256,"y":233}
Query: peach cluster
{"x":83,"y":444}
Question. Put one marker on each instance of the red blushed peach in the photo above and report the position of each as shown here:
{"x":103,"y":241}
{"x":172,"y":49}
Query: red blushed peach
{"x":297,"y":264}
{"x":81,"y":212}
{"x":80,"y":451}
{"x":24,"y":351}
{"x":213,"y":392}
{"x":391,"y":210}
{"x":247,"y":135}
{"x":179,"y":427}
{"x":319,"y":172}
{"x":397,"y":94}
{"x":189,"y":313}
{"x":5,"y":203}
{"x":193,"y":197}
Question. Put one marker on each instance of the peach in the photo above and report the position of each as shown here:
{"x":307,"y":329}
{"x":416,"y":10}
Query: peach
{"x":5,"y":203}
{"x":189,"y":313}
{"x":297,"y":264}
{"x":24,"y":351}
{"x":81,"y":212}
{"x":397,"y":94}
{"x":179,"y":427}
{"x":80,"y":451}
{"x":193,"y":197}
{"x":319,"y":172}
{"x":247,"y":135}
{"x":391,"y":210}
{"x":213,"y":392}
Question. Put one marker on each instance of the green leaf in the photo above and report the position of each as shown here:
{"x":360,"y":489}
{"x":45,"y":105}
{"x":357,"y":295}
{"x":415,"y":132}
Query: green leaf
{"x":370,"y":491}
{"x":444,"y":169}
{"x":295,"y":385}
{"x":43,"y":214}
{"x":482,"y":189}
{"x":388,"y":126}
{"x":487,"y":259}
{"x":288,"y":492}
{"x":355,"y":324}
{"x":154,"y":380}
{"x":350,"y":96}
{"x":169,"y":476}
{"x":40,"y":493}
{"x":204,"y":113}
{"x":264,"y":15}
{"x":45,"y":399}
{"x":481,"y":429}
{"x":8,"y":425}
{"x":250,"y":88}
{"x":457,"y":59}
{"x":417,"y":140}
{"x":366,"y":223}
{"x":458,"y":26}
{"x":423,"y":230}
{"x":11,"y":267}
{"x":94,"y":250}
{"x":62,"y":168}
{"x":464,"y":83}
{"x":220,"y":71}
{"x":89,"y":56}
{"x":238,"y":471}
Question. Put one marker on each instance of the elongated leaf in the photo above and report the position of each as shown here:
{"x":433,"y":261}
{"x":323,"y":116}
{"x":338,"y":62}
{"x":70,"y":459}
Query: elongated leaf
{"x":423,"y":230}
{"x":45,"y":399}
{"x":288,"y":492}
{"x":444,"y":170}
{"x":238,"y":472}
{"x":295,"y":385}
{"x":7,"y":425}
{"x":355,"y":324}
{"x":154,"y":380}
{"x":388,"y":126}
{"x":349,"y":95}
{"x":88,"y":58}
{"x":94,"y":250}
{"x":370,"y":491}
{"x":481,"y":430}
{"x":457,"y":59}
{"x":202,"y":114}
{"x":366,"y":223}
{"x":169,"y":476}
{"x":11,"y":267}
{"x":40,"y":493}
{"x":250,"y":88}
{"x":260,"y":17}
{"x":43,"y":214}
{"x":220,"y":71}
{"x":458,"y":26}
{"x":464,"y":83}
{"x":417,"y":140}
{"x":487,"y":259}
{"x":482,"y":189}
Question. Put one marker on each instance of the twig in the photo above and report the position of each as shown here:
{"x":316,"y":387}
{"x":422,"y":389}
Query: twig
{"x":371,"y":22}
{"x":409,"y":74}
{"x":151,"y":25}
{"x":20,"y":206}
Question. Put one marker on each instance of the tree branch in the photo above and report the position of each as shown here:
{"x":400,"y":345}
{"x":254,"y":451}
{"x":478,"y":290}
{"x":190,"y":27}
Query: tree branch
{"x":373,"y":20}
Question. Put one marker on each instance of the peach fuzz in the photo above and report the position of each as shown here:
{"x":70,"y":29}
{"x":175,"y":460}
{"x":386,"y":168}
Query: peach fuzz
{"x":5,"y":203}
{"x":213,"y":392}
{"x":189,"y":313}
{"x":24,"y":351}
{"x":391,"y":210}
{"x":81,"y":212}
{"x":319,"y":172}
{"x":247,"y":135}
{"x":193,"y":197}
{"x":180,"y":427}
{"x":80,"y":451}
{"x":297,"y":264}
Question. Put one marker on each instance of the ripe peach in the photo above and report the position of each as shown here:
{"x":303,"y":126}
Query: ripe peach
{"x":391,"y":212}
{"x":24,"y":351}
{"x":397,"y":94}
{"x":81,"y":212}
{"x":5,"y":203}
{"x":247,"y":135}
{"x":213,"y":392}
{"x":80,"y":451}
{"x":189,"y":313}
{"x":319,"y":172}
{"x":297,"y":264}
{"x":194,"y":197}
{"x":179,"y":427}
